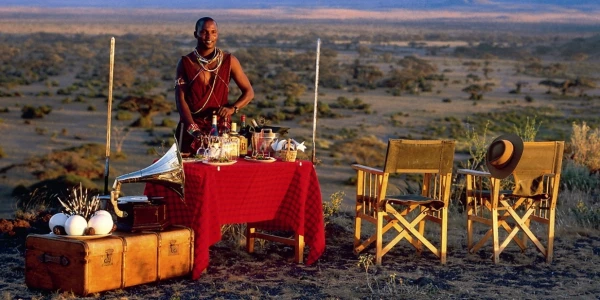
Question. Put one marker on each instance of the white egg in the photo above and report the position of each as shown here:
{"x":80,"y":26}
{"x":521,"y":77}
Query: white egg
{"x":75,"y":225}
{"x":58,"y":219}
{"x":102,"y":212}
{"x":101,"y":223}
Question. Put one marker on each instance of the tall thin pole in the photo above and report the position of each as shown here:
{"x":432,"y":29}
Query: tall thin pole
{"x":109,"y":115}
{"x":314,"y":133}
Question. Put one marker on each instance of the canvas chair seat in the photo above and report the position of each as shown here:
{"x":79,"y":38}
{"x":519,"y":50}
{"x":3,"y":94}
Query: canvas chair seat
{"x":408,"y":200}
{"x":533,"y":199}
{"x":403,"y":217}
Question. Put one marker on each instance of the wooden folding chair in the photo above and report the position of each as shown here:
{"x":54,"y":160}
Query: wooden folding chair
{"x":536,"y":181}
{"x":433,"y":161}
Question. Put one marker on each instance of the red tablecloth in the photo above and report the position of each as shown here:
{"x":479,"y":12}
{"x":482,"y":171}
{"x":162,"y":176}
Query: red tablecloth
{"x":274,"y":196}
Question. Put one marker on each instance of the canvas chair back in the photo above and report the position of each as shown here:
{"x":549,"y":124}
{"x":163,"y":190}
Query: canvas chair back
{"x":419,"y":156}
{"x":538,"y":158}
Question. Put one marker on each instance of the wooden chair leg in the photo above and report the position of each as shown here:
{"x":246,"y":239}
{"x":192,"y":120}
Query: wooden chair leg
{"x":495,"y":237}
{"x":379,"y":239}
{"x":550,"y":249}
{"x":357,"y":228}
{"x":444,"y":237}
{"x":299,"y":248}
{"x":250,"y":238}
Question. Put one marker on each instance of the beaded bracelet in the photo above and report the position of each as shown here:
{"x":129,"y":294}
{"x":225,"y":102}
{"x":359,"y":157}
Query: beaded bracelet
{"x":193,"y":128}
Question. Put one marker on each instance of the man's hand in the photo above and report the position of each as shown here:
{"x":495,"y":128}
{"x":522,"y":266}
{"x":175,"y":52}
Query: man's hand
{"x":225,"y":112}
{"x":197,"y":134}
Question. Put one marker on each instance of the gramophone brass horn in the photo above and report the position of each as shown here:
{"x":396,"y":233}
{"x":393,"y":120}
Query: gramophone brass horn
{"x":167,"y":171}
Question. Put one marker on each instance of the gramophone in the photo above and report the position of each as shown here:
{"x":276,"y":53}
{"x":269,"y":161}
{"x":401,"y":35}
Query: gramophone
{"x":148,"y":212}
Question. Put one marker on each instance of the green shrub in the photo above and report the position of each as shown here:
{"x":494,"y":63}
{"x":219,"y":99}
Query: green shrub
{"x":44,"y":194}
{"x":332,"y":207}
{"x":577,"y":177}
{"x":124,"y":115}
{"x":166,"y":122}
{"x":30,"y":112}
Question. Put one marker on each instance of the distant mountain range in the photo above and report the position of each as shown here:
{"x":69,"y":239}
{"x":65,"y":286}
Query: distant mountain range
{"x":475,"y":5}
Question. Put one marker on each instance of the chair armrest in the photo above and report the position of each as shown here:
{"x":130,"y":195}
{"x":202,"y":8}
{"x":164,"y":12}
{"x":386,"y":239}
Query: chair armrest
{"x":358,"y":167}
{"x":474,"y":172}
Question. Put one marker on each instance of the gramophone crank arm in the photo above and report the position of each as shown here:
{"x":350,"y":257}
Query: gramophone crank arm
{"x":114,"y":195}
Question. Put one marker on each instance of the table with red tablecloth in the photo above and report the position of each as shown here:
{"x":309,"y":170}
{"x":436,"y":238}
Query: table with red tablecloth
{"x":272,"y":196}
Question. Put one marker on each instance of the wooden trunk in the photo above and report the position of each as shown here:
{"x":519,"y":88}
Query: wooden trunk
{"x":121,"y":260}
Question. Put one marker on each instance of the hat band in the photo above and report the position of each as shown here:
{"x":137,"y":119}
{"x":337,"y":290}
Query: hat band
{"x":506,"y":155}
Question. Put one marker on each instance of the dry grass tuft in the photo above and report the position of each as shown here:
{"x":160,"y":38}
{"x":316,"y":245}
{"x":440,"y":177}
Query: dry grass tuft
{"x":585,"y":146}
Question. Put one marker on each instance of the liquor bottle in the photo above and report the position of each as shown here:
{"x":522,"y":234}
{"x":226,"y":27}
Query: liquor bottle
{"x":243,"y":136}
{"x":234,"y":142}
{"x":214,"y":131}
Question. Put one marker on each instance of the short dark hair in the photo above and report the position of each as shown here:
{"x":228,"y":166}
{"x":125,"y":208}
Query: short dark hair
{"x":201,"y":22}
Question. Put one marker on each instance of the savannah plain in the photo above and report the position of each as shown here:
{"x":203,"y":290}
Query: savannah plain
{"x":379,"y":78}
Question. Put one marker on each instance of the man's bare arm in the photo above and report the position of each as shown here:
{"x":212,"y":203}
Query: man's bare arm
{"x":182,"y":106}
{"x":241,"y":80}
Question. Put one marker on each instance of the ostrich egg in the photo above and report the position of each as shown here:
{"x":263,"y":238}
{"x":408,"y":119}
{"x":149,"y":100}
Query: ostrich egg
{"x":101,"y":223}
{"x":102,"y":212}
{"x":75,"y":225}
{"x":58,"y":219}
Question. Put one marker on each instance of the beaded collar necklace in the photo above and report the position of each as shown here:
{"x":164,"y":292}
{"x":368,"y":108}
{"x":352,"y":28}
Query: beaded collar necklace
{"x":203,"y":62}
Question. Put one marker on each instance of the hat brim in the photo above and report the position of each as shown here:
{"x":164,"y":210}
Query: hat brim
{"x":508,"y":168}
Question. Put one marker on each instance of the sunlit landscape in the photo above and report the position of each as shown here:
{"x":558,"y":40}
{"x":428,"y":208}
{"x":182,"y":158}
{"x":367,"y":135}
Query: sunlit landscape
{"x":382,"y":74}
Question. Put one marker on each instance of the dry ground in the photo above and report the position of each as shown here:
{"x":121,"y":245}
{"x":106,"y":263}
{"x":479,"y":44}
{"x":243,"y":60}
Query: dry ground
{"x":269,"y":273}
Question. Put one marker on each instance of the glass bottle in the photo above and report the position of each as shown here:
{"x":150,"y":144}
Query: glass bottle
{"x":214,"y":130}
{"x":243,"y":136}
{"x":234,"y":142}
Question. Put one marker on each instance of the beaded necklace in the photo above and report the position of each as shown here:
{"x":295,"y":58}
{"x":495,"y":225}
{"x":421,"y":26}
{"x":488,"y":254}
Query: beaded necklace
{"x":217,"y":55}
{"x":203,"y":62}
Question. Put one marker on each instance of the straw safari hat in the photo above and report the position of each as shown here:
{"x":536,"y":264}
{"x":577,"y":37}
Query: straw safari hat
{"x":503,"y":155}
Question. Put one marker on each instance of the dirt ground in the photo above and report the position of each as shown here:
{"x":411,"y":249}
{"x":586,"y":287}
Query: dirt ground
{"x":270,"y":273}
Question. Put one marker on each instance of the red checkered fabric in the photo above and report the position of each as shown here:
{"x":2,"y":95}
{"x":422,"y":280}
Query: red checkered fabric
{"x":272,"y":196}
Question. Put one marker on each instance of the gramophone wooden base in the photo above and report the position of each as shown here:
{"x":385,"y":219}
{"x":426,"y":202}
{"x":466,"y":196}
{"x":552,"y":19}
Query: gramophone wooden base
{"x":143,"y":216}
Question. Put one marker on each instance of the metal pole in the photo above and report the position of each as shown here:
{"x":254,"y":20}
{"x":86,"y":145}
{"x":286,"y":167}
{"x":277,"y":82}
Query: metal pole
{"x":314,"y":133}
{"x":109,"y":115}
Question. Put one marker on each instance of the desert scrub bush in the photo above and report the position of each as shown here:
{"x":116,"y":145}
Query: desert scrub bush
{"x":265,"y":104}
{"x":476,"y":145}
{"x":388,"y":285}
{"x":585,"y":146}
{"x":41,"y":130}
{"x":332,"y":207}
{"x":167,"y":122}
{"x":528,"y":130}
{"x":30,"y":112}
{"x":577,"y":177}
{"x":448,"y":127}
{"x":81,"y":161}
{"x":123,"y":115}
{"x":587,"y":216}
{"x":365,"y":150}
{"x":555,"y":124}
{"x":43,"y":194}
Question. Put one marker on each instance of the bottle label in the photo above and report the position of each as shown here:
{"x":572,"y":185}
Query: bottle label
{"x":243,"y":146}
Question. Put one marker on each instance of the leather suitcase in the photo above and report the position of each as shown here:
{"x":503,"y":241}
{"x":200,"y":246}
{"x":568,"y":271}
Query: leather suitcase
{"x":121,"y":260}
